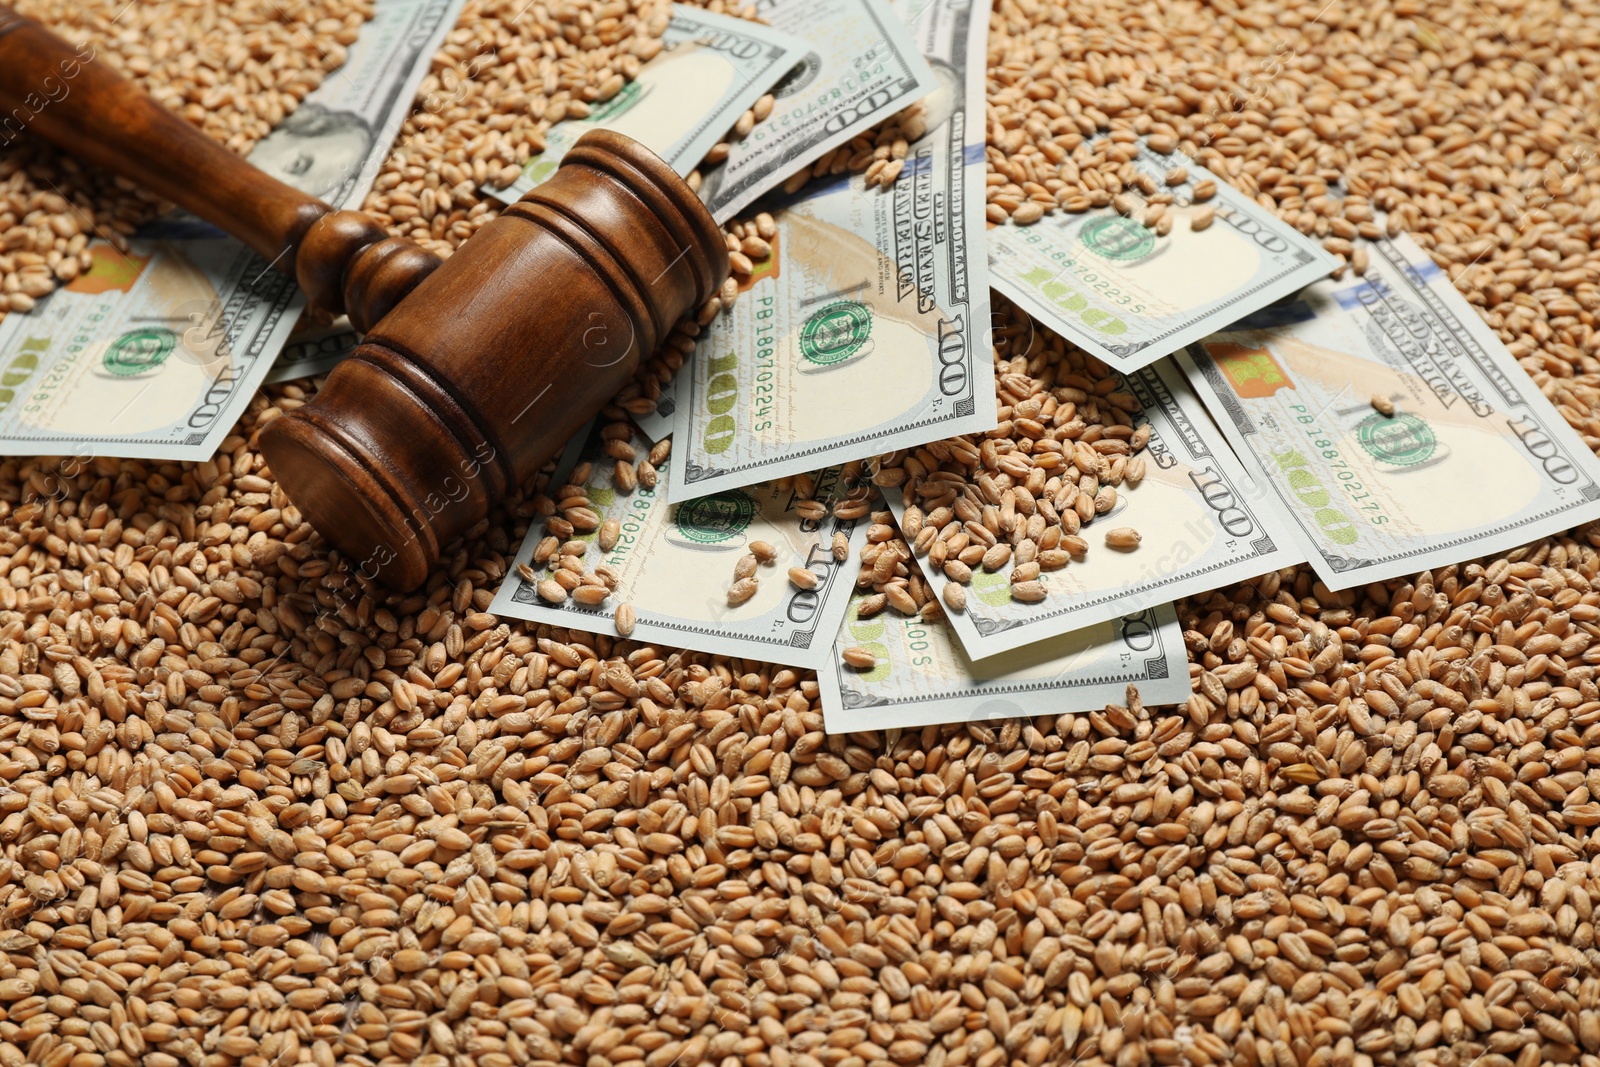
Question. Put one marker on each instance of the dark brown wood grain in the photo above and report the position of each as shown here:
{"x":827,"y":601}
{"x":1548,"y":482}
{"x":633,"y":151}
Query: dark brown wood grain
{"x":72,"y":98}
{"x":473,"y":372}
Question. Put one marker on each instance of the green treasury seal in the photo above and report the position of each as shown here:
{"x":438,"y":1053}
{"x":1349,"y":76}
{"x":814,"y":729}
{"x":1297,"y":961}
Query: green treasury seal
{"x":712,"y":519}
{"x":1402,"y":440}
{"x":1117,"y":238}
{"x":139,"y":350}
{"x":836,"y":332}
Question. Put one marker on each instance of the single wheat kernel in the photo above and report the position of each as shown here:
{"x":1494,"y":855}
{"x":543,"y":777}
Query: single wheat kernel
{"x":1028,"y":592}
{"x":860,"y":658}
{"x":1123,"y":537}
{"x":591,"y":594}
{"x":955,"y":596}
{"x":1027,"y":213}
{"x":901,"y":600}
{"x":871,"y":605}
{"x":1024,"y":572}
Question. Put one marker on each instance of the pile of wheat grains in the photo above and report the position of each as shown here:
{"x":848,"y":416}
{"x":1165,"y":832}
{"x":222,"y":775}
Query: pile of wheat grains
{"x":256,"y":811}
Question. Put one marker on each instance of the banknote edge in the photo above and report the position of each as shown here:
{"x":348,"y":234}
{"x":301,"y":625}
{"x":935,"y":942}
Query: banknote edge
{"x":922,"y":83}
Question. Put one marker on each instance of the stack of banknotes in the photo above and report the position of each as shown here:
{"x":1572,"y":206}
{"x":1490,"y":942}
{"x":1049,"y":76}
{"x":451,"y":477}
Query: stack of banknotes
{"x":1369,"y":425}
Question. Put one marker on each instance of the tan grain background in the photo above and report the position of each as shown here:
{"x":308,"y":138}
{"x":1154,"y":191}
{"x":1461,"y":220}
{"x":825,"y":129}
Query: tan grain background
{"x":255,"y":811}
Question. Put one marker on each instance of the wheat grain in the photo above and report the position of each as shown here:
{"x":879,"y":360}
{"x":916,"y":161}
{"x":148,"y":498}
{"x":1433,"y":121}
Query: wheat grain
{"x":258,"y":810}
{"x":859,"y":657}
{"x":1123,"y":537}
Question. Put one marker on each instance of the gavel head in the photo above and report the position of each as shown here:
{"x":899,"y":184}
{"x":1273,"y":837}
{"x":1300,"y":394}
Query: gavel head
{"x":494,"y":360}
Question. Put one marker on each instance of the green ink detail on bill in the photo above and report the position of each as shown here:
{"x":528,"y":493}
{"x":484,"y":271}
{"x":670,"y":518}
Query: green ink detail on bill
{"x":713,"y":519}
{"x":537,"y":169}
{"x":836,"y":332}
{"x":881,"y":666}
{"x":20,"y":370}
{"x":139,"y":350}
{"x":1402,"y":440}
{"x":992,"y":587}
{"x":1117,"y":238}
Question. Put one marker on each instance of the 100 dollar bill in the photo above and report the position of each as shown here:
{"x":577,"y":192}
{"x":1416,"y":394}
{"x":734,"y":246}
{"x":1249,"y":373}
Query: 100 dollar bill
{"x":711,"y":68}
{"x":860,"y":67}
{"x":674,"y":565}
{"x":1201,"y":519}
{"x":922,"y":675}
{"x":314,"y":349}
{"x":153,"y":353}
{"x":867,"y":329}
{"x":1472,"y":460}
{"x":1128,"y":296}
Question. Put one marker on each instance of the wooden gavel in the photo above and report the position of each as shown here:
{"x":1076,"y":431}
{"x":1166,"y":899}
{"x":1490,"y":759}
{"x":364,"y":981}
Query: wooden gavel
{"x":473,"y":370}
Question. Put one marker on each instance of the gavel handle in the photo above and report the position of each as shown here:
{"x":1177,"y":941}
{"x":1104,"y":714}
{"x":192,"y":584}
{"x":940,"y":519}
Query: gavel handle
{"x":68,"y":96}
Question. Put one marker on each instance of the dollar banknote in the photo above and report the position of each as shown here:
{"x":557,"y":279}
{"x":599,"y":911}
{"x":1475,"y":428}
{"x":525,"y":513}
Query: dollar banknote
{"x":867,"y":328}
{"x":923,"y":676}
{"x":674,"y":564}
{"x":1116,"y":289}
{"x":154,"y":352}
{"x":861,"y":66}
{"x":710,"y":69}
{"x":314,"y":349}
{"x":1202,"y":521}
{"x":1390,"y":427}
